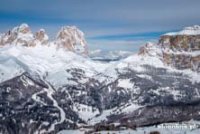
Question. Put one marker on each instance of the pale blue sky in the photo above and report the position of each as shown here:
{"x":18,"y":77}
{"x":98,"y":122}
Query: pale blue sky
{"x":107,"y":24}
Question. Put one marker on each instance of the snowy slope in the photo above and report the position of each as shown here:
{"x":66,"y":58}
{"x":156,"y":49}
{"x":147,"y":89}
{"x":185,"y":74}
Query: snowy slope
{"x":51,"y":63}
{"x":44,"y":60}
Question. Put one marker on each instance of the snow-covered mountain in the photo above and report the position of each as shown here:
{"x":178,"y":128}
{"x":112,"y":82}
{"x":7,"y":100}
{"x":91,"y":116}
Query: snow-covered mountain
{"x":100,"y":55}
{"x":193,"y":30}
{"x":182,"y":49}
{"x":69,"y":38}
{"x":50,"y":86}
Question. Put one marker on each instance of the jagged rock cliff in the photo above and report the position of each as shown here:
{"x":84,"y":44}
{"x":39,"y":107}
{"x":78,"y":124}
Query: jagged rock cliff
{"x":69,"y":38}
{"x":182,"y":49}
{"x":72,"y":39}
{"x":20,"y":35}
{"x":179,"y":49}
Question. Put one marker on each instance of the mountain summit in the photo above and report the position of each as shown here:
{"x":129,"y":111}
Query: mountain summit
{"x":177,"y":49}
{"x":69,"y":38}
{"x":182,"y":49}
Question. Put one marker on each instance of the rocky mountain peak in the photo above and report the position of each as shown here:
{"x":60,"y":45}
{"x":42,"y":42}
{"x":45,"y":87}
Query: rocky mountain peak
{"x":69,"y":38}
{"x":182,"y":50}
{"x":42,"y":36}
{"x":149,"y":49}
{"x":20,"y":35}
{"x":23,"y":28}
{"x":178,"y":49}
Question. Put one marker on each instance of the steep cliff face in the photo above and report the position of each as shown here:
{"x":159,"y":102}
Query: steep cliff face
{"x":181,"y":51}
{"x":187,"y":43}
{"x":20,"y":35}
{"x":178,"y":49}
{"x":41,"y":37}
{"x":72,"y":39}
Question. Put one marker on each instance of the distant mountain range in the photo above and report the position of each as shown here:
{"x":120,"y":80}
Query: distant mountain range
{"x":49,"y":86}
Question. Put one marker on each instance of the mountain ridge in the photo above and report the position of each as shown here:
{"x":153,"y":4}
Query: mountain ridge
{"x":68,"y":37}
{"x":44,"y":89}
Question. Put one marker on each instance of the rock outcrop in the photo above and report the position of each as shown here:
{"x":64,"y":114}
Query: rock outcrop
{"x":20,"y":35}
{"x":182,"y":50}
{"x":41,"y":36}
{"x":69,"y":38}
{"x":179,"y":49}
{"x":149,"y":49}
{"x":72,"y":39}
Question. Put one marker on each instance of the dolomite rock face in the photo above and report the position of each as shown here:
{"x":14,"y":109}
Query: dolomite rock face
{"x":69,"y":38}
{"x":181,"y":51}
{"x":144,"y":49}
{"x":20,"y":35}
{"x":72,"y":39}
{"x":42,"y":36}
{"x":178,"y":49}
{"x":149,"y":49}
{"x":187,"y":43}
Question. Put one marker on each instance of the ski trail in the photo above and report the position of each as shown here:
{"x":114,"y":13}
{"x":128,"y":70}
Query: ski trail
{"x":50,"y":92}
{"x":34,"y":97}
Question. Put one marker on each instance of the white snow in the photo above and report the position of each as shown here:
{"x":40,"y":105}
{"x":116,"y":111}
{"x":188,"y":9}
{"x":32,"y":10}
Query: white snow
{"x":129,"y":107}
{"x":46,"y":61}
{"x":50,"y":92}
{"x":85,"y":112}
{"x":102,"y":117}
{"x":9,"y":68}
{"x":71,"y":132}
{"x":111,"y":55}
{"x":62,"y":117}
{"x":194,"y":30}
{"x":145,"y":76}
{"x":125,"y":83}
{"x":51,"y":63}
{"x":37,"y":99}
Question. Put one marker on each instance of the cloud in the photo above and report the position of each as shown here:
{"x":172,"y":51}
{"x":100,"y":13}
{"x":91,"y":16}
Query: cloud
{"x":97,"y":18}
